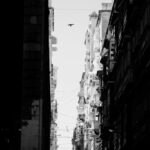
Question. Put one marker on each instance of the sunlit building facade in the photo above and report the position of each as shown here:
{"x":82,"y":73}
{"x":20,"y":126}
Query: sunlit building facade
{"x":54,"y":111}
{"x":53,"y":83}
{"x":91,"y":83}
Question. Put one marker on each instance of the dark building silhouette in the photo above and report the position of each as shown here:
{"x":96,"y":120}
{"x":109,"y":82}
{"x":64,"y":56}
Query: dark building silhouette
{"x":25,"y":82}
{"x":125,"y":93}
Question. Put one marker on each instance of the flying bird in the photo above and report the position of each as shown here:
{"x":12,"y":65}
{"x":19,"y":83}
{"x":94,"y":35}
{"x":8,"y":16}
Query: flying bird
{"x":70,"y":24}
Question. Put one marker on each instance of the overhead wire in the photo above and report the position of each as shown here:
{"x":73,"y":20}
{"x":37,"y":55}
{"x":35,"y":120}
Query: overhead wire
{"x":66,"y":115}
{"x":72,"y":9}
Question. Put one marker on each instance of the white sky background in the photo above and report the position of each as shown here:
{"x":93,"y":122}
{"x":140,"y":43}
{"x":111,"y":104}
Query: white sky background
{"x":70,"y":60}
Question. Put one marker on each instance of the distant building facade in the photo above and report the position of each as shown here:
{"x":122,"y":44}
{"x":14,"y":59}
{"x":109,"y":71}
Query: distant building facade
{"x":54,"y":111}
{"x":91,"y":82}
{"x":53,"y":83}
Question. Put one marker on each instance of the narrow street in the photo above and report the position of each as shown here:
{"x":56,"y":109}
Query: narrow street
{"x":75,"y":75}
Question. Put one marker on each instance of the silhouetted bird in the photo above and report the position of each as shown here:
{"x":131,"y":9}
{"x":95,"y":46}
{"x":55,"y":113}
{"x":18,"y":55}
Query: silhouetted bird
{"x":70,"y":24}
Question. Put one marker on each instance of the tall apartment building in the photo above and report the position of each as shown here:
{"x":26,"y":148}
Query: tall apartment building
{"x":90,"y":84}
{"x":36,"y":79}
{"x":126,"y":122}
{"x":25,"y":111}
{"x":94,"y":41}
{"x":104,"y":15}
